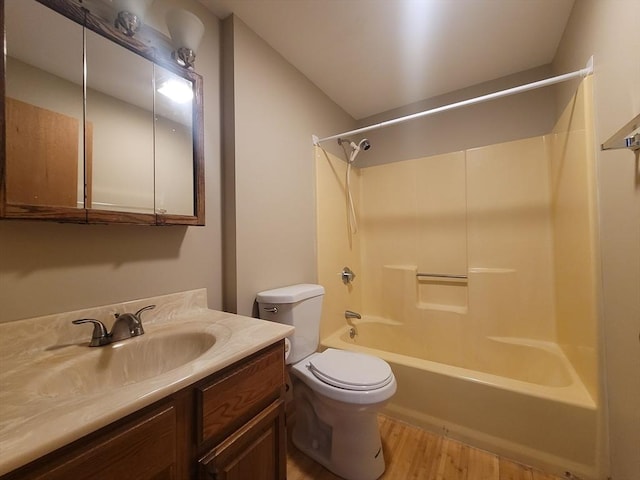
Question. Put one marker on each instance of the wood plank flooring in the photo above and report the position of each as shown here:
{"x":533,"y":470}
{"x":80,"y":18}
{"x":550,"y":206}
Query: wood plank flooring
{"x":415,"y":454}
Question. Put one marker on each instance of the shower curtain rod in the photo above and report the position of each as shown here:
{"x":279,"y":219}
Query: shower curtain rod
{"x":584,"y":72}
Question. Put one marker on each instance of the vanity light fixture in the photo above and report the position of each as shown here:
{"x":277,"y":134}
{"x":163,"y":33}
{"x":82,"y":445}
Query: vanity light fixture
{"x":178,"y":90}
{"x":130,"y":14}
{"x":186,"y":31}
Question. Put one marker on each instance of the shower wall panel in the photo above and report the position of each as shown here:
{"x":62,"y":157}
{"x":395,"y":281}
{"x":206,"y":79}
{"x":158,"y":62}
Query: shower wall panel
{"x":509,"y":230}
{"x":574,"y":205}
{"x":336,"y":248}
{"x":414,"y":213}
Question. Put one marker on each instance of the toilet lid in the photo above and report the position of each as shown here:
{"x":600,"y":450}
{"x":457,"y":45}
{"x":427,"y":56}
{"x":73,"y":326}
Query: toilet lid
{"x":350,"y":370}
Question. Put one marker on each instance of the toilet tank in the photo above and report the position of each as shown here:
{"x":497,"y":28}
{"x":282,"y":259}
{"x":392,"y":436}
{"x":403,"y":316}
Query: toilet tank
{"x":297,"y":305}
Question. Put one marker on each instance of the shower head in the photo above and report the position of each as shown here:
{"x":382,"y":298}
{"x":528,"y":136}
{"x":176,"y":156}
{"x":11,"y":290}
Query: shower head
{"x":355,"y":148}
{"x":364,"y":144}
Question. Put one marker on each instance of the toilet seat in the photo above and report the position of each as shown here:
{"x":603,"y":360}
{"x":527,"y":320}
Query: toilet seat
{"x":302,"y":370}
{"x":350,"y":370}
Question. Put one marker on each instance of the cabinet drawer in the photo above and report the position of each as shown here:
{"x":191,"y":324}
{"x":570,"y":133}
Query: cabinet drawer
{"x":237,"y":396}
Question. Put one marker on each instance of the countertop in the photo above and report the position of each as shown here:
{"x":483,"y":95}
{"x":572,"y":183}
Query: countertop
{"x":44,"y":406}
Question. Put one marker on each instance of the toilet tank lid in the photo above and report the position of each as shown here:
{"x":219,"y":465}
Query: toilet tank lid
{"x":290,"y":294}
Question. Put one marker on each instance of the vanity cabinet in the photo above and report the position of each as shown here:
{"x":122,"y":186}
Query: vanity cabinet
{"x":143,"y":448}
{"x":251,"y":452}
{"x":248,"y":439}
{"x":228,"y":426}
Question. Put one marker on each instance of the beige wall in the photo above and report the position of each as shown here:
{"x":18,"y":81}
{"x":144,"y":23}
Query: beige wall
{"x":270,"y":237}
{"x":606,"y":30}
{"x":528,"y":114}
{"x":47,"y":267}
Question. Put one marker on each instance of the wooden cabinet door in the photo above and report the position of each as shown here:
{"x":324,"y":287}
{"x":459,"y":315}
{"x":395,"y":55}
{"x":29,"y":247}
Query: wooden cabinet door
{"x":142,"y":449}
{"x":42,"y":156}
{"x":256,"y":451}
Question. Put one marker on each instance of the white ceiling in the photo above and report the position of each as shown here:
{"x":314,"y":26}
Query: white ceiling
{"x":371,"y":56}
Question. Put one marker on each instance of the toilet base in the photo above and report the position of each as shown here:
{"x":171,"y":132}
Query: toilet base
{"x":343,"y":438}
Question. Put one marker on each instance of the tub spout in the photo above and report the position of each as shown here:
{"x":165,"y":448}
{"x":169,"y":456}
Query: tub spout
{"x":349,"y":314}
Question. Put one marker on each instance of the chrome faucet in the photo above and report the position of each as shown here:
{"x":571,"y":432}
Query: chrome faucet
{"x":127,"y":325}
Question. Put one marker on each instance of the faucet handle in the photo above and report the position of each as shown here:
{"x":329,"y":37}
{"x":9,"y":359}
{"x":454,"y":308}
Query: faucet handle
{"x":347,"y":275}
{"x":100,"y":336}
{"x":144,"y":309}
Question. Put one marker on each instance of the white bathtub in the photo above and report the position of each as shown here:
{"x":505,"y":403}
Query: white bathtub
{"x":516,"y":397}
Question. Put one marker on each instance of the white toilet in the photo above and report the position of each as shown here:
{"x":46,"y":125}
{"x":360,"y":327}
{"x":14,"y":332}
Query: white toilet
{"x":337,"y":393}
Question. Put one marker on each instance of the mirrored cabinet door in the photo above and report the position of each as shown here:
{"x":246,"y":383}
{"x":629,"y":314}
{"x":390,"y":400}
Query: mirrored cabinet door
{"x":119,"y":126}
{"x":43,"y":108}
{"x":174,"y":175}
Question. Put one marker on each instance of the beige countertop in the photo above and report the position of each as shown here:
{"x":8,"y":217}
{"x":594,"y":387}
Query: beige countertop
{"x":47,"y":400}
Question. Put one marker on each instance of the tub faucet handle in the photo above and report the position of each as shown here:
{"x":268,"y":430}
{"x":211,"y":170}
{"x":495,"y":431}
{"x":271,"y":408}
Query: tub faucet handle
{"x":347,"y":275}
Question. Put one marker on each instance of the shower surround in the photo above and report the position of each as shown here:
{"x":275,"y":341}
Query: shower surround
{"x":505,"y":357}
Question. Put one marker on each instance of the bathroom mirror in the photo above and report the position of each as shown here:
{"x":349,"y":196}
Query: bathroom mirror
{"x":43,"y":99}
{"x":119,"y":110}
{"x":173,"y":142}
{"x":94,"y":131}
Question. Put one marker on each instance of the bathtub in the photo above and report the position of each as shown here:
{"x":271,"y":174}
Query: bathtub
{"x":513,"y":396}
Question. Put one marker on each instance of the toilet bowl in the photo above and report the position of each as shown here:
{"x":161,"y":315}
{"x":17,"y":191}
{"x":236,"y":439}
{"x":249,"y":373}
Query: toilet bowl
{"x":337,"y":394}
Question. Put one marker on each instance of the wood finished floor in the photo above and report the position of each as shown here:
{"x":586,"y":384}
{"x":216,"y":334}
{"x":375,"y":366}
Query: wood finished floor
{"x":414,"y":454}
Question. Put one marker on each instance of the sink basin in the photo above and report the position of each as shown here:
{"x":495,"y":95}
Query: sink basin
{"x":100,"y":369}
